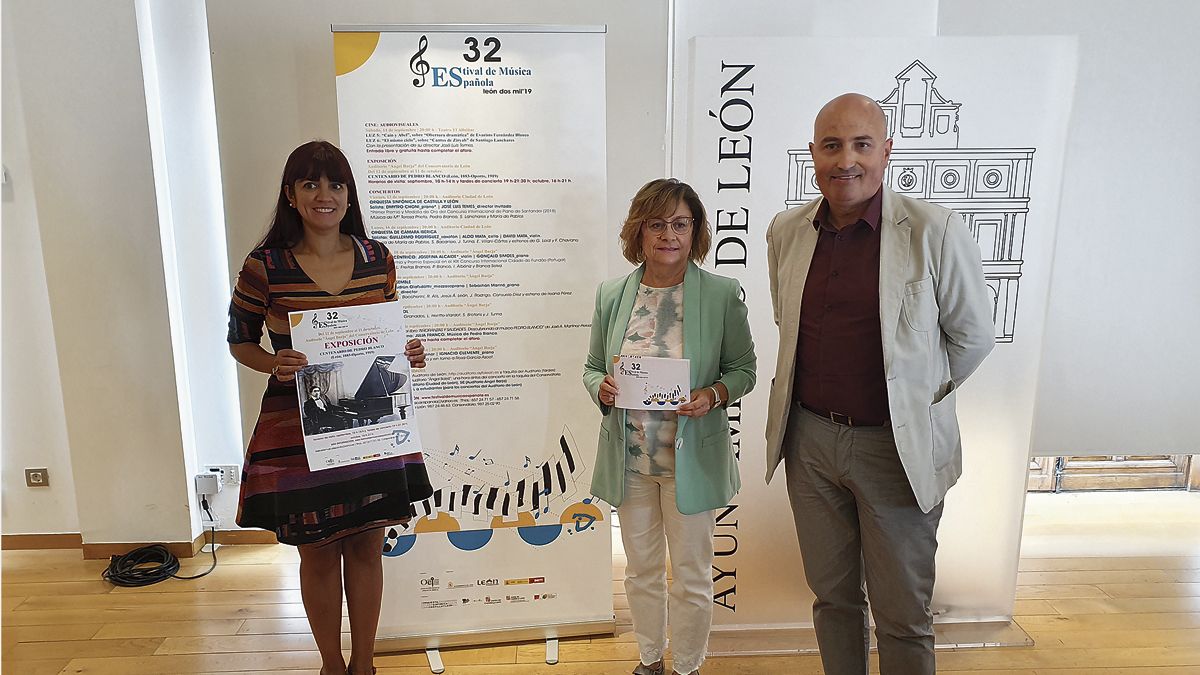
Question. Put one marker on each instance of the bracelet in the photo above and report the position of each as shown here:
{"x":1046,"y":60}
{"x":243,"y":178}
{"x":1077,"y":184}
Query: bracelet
{"x":275,"y":370}
{"x":716,"y":394}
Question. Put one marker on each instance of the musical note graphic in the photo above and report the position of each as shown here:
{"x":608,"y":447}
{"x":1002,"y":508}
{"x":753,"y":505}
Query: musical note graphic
{"x":417,"y":64}
{"x":486,"y":487}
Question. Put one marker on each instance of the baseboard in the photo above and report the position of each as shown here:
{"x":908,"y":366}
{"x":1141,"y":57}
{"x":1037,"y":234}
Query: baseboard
{"x":180,"y":549}
{"x":236,"y":537}
{"x":33,"y":542}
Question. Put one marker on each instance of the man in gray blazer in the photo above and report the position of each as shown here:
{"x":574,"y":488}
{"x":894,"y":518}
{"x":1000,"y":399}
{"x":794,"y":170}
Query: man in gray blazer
{"x":883,"y":313}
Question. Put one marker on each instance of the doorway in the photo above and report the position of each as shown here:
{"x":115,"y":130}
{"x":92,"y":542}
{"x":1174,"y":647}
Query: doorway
{"x":1078,"y":473}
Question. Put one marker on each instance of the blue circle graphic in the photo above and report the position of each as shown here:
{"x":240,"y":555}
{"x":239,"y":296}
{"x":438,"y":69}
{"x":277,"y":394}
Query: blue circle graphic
{"x":469,"y":540}
{"x":540,"y":535}
{"x":402,"y":545}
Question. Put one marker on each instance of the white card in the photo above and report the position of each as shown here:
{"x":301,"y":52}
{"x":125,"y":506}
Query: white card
{"x":651,"y":382}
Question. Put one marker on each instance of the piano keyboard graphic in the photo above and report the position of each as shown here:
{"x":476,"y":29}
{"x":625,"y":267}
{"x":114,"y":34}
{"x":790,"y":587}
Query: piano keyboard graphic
{"x":481,"y":487}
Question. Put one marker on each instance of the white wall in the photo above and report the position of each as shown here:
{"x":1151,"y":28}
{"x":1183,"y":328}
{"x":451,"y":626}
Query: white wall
{"x":183,"y":140}
{"x":81,"y":91}
{"x":273,"y":71}
{"x":770,"y":18}
{"x":34,"y":431}
{"x":1119,"y":372}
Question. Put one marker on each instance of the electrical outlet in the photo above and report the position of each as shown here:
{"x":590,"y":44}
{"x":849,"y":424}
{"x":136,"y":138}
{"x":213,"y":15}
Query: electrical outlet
{"x":231,"y":474}
{"x":37,"y":477}
{"x":208,"y":484}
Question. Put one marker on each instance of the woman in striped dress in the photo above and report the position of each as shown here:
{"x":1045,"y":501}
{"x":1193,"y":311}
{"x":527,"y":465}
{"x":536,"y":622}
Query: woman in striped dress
{"x":315,"y":256}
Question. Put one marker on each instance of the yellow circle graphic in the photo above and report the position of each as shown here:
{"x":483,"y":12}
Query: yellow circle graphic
{"x":437,"y":522}
{"x":351,"y":50}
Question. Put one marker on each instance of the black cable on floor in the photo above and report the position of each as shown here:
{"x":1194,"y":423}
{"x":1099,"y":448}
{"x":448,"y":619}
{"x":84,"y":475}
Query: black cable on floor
{"x":151,"y":564}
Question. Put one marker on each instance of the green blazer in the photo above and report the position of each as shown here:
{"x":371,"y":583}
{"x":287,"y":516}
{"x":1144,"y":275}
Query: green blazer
{"x":716,"y":339}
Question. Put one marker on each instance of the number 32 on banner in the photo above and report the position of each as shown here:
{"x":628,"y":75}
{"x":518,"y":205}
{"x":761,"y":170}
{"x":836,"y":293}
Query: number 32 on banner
{"x":472,"y":53}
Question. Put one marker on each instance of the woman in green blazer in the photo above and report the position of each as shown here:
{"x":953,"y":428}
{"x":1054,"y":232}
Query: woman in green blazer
{"x":667,"y":471}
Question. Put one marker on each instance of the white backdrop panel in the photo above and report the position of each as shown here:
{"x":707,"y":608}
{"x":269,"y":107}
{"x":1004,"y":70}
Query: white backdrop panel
{"x":769,"y":18}
{"x":992,"y":147}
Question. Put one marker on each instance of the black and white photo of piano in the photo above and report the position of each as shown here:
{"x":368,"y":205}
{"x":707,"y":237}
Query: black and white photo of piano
{"x":381,"y":396}
{"x":381,"y":393}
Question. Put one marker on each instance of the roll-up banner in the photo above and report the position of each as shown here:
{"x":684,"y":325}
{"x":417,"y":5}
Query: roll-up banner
{"x":479,"y":156}
{"x":979,"y":126}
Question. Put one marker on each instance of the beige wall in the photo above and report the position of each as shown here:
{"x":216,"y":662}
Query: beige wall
{"x":1119,"y":369}
{"x":34,"y":431}
{"x":86,"y":127}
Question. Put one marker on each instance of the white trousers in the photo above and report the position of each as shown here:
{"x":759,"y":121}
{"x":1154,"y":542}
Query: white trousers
{"x":647,"y":513}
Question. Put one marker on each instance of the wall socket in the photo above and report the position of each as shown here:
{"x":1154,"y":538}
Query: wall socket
{"x":37,"y":477}
{"x":208,"y":484}
{"x":231,"y":474}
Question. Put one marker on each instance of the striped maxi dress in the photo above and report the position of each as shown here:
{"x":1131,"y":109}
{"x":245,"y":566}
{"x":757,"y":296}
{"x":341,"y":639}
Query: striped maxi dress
{"x":279,"y":492}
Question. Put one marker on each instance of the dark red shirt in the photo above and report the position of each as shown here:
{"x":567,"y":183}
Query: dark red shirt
{"x":839,"y":356}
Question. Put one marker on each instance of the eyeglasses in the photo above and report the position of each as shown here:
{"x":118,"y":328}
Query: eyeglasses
{"x":678,"y":226}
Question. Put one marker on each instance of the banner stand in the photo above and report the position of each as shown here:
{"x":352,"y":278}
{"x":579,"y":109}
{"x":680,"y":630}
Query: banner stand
{"x":404,"y":643}
{"x":434,"y":656}
{"x":456,"y":136}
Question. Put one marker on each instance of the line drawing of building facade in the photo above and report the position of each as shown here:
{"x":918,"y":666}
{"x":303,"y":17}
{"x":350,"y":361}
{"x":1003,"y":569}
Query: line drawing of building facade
{"x":988,"y":186}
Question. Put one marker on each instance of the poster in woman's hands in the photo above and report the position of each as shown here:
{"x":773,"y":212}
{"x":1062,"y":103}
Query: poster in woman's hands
{"x":356,"y":401}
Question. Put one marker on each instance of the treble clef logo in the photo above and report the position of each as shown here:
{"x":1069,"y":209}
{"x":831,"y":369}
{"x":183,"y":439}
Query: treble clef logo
{"x":418,"y":65}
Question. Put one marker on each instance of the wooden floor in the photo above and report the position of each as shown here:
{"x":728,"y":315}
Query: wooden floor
{"x":1089,"y":614}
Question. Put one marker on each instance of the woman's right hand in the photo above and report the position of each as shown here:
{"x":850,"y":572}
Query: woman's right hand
{"x":287,"y":362}
{"x":608,"y":391}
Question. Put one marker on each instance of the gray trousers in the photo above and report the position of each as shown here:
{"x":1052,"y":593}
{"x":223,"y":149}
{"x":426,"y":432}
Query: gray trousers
{"x":857,"y":520}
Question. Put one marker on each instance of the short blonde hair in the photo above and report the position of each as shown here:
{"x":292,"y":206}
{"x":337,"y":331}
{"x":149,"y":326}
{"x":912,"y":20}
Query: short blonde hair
{"x":657,"y":199}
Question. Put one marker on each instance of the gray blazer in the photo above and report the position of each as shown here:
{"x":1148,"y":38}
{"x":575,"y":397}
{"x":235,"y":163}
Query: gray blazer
{"x":935,"y":316}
